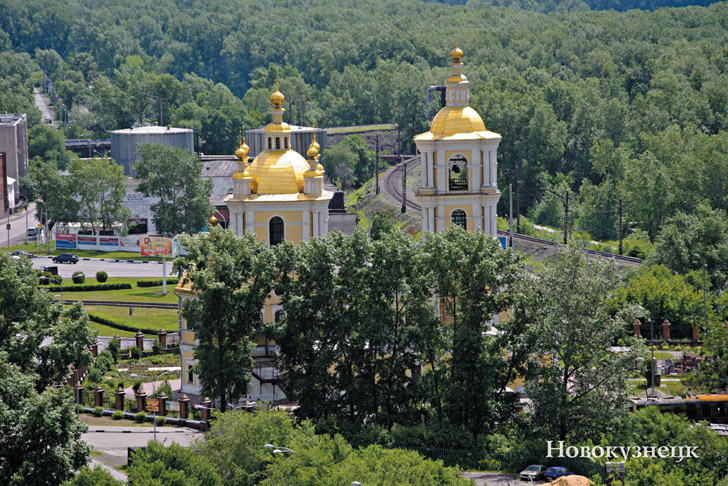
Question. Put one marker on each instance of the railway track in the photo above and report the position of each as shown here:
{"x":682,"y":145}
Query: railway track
{"x":393,"y":185}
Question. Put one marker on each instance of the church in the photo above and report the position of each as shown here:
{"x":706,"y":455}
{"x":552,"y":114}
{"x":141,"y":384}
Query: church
{"x":280,"y":196}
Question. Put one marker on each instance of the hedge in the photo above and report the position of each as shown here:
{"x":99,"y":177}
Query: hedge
{"x":156,"y":283}
{"x":91,"y":288}
{"x":119,"y":325}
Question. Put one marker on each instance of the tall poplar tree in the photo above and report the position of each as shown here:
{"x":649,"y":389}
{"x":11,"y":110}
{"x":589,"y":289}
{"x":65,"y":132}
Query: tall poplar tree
{"x":232,"y":277}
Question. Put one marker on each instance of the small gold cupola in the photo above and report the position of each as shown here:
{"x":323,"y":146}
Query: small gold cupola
{"x":242,"y":181}
{"x":314,"y":176}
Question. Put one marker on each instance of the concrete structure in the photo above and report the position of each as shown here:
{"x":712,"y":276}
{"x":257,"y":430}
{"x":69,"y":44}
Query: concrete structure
{"x":280,"y":197}
{"x":300,"y":139}
{"x":124,"y":142}
{"x":14,"y":143}
{"x":459,"y":163}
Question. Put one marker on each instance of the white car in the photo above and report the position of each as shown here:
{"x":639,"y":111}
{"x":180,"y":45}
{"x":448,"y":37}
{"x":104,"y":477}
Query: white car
{"x":532,"y":473}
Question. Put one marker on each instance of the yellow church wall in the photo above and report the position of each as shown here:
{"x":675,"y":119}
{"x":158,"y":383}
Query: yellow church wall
{"x":188,"y":337}
{"x":262,"y":217}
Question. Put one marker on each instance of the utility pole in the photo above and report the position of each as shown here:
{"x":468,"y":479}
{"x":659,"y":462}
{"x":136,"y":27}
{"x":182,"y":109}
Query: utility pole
{"x":621,"y":232}
{"x":518,"y":205}
{"x":566,"y":219}
{"x":510,"y":215}
{"x":48,"y":235}
{"x":376,"y":169}
{"x":404,"y":187}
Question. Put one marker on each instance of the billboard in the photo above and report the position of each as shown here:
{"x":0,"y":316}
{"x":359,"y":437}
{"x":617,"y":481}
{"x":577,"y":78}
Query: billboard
{"x":155,"y":245}
{"x":66,"y":242}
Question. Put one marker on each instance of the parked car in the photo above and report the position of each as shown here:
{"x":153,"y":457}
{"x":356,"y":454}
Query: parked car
{"x":552,"y":473}
{"x":22,"y":253}
{"x":532,"y":473}
{"x":50,"y":269}
{"x":65,"y":258}
{"x":32,"y":234}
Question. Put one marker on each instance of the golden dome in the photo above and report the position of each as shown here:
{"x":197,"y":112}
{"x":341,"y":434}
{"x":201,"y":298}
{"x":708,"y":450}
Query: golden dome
{"x":277,"y":97}
{"x":278,"y":172}
{"x":312,"y":150}
{"x":457,"y":119}
{"x":242,"y":151}
{"x":456,"y":53}
{"x":277,"y":127}
{"x":212,"y":219}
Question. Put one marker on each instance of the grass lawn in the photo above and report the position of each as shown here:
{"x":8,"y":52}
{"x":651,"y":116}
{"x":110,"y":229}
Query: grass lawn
{"x":143,"y":318}
{"x":135,"y":294}
{"x":121,"y":255}
{"x":109,"y":331}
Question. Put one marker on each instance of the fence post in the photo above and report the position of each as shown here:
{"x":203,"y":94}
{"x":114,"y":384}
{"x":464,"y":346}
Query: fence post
{"x":162,"y":400}
{"x":141,"y":399}
{"x":98,"y":396}
{"x":162,"y":339}
{"x":666,"y":330}
{"x":120,"y":398}
{"x":206,"y":410}
{"x":696,"y":336}
{"x":636,"y":326}
{"x":184,"y":407}
{"x":140,"y":340}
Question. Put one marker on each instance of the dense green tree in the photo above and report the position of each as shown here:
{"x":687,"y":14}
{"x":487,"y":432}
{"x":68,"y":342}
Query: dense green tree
{"x":42,"y":441}
{"x":99,"y":186}
{"x":54,"y":193}
{"x":232,"y":277}
{"x":93,"y":477}
{"x":475,"y":281}
{"x":690,"y":240}
{"x":581,"y":390}
{"x":173,"y":175}
{"x":160,"y":465}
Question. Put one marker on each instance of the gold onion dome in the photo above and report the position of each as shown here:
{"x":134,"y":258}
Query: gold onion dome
{"x":277,"y":97}
{"x":312,"y":151}
{"x":212,"y":219}
{"x":456,"y":53}
{"x":242,"y":151}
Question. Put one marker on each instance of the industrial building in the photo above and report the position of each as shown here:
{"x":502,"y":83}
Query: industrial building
{"x":124,"y":143}
{"x":14,"y":144}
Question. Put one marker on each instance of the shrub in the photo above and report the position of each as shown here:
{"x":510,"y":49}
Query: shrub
{"x":47,"y":274}
{"x":43,"y":280}
{"x":98,"y":411}
{"x":156,"y":283}
{"x":104,"y":362}
{"x":102,"y":277}
{"x":161,"y":421}
{"x":92,"y":288}
{"x":137,"y":387}
{"x":95,"y":375}
{"x":156,"y":347}
{"x":78,"y":277}
{"x":56,"y":280}
{"x":113,"y":347}
{"x":140,"y":417}
{"x":118,"y":415}
{"x":119,"y":325}
{"x":135,"y":352}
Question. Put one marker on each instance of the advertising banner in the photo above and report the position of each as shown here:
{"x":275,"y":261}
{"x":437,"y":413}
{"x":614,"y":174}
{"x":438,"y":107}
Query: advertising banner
{"x":155,"y":246}
{"x":88,"y":241}
{"x":65,"y":242}
{"x":109,"y":241}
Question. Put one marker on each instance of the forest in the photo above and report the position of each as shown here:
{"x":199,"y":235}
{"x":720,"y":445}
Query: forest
{"x":609,"y":106}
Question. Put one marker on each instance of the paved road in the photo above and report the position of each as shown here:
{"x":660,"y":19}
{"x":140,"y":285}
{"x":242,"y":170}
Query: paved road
{"x":41,"y":102}
{"x":114,"y":269}
{"x":497,"y":479}
{"x":113,"y":442}
{"x":17,"y":226}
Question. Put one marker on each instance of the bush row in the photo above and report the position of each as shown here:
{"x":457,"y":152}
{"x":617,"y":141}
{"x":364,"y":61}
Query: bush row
{"x":156,"y":283}
{"x":90,"y":288}
{"x":119,"y":325}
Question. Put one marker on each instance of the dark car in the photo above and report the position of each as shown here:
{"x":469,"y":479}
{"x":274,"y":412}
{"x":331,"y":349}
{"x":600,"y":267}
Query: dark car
{"x":50,"y":269}
{"x":65,"y":258}
{"x":552,"y":473}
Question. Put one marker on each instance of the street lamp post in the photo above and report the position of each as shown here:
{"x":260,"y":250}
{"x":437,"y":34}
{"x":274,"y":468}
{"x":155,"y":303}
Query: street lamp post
{"x":154,"y":392}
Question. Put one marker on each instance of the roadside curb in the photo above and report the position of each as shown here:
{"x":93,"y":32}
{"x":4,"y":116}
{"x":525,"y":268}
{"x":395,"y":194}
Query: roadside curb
{"x":116,"y":260}
{"x":102,"y":431}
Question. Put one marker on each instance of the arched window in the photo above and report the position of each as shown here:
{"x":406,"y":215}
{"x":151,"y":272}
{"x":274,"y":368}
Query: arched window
{"x":278,"y":143}
{"x":279,"y":315}
{"x":285,"y":143}
{"x":457,"y":173}
{"x":460,"y":218}
{"x":270,"y":142}
{"x":276,"y":231}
